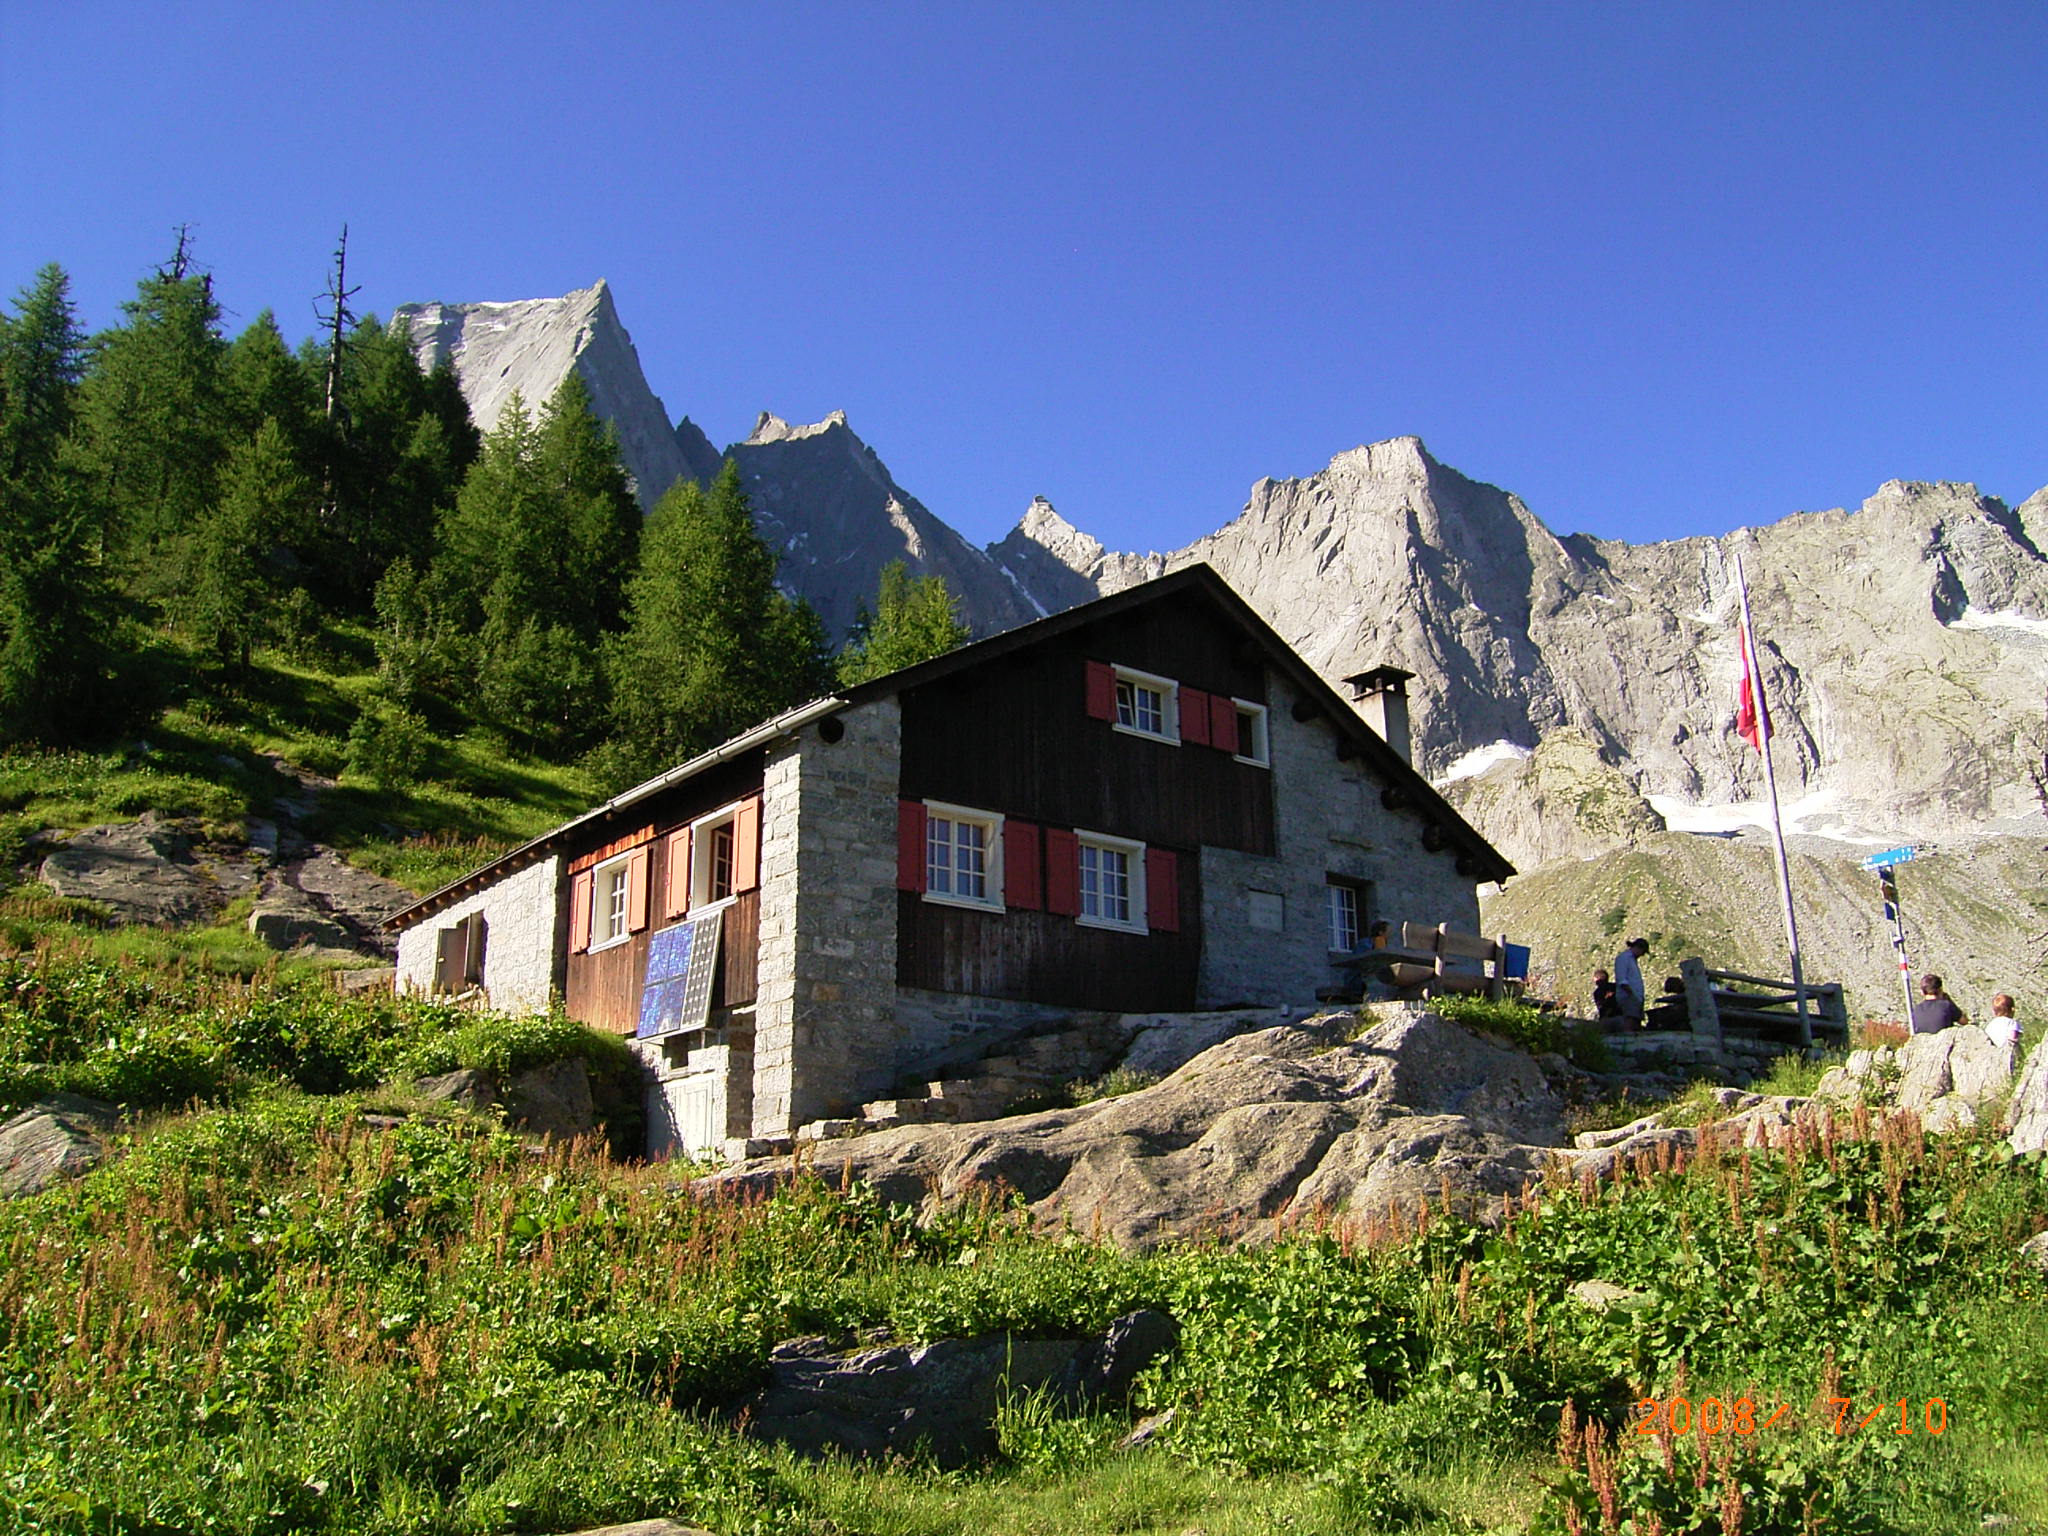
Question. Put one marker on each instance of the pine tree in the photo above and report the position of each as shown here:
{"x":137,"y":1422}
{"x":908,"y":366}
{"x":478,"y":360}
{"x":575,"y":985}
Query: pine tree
{"x":915,"y":619}
{"x":710,"y":647}
{"x":156,"y":414}
{"x":55,"y":618}
{"x":238,"y":563}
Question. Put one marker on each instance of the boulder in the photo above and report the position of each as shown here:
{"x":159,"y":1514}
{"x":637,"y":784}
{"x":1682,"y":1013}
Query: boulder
{"x":552,"y":1100}
{"x":2027,"y":1113}
{"x":151,"y":871}
{"x":53,"y":1139}
{"x":2035,"y":1251}
{"x":1280,"y":1124}
{"x":1602,"y":1294}
{"x":1164,"y":1043}
{"x":938,"y":1399}
{"x":465,"y":1086}
{"x":1950,"y":1113}
{"x":1979,"y":1067}
{"x":1923,"y":1069}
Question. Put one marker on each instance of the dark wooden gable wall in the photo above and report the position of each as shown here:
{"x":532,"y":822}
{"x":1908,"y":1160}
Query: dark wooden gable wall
{"x":1015,"y":736}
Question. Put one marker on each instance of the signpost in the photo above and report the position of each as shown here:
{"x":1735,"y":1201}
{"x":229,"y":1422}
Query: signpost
{"x":1885,"y":865}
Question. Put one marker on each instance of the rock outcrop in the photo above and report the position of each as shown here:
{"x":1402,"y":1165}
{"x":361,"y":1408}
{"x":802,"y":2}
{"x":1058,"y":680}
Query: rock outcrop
{"x":153,"y":870}
{"x":1276,"y":1125}
{"x":1562,"y":801}
{"x":527,"y":348}
{"x":826,"y":504}
{"x":61,"y":1137}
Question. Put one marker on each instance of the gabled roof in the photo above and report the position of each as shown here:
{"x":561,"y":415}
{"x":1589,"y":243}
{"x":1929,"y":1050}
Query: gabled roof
{"x":1405,"y":786}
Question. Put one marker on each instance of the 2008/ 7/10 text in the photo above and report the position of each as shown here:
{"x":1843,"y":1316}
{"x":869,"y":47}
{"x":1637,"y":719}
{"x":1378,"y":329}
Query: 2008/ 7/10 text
{"x":1712,"y":1416}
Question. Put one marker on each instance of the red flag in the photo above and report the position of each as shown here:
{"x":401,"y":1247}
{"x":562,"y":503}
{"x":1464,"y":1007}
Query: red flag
{"x":1752,"y":719}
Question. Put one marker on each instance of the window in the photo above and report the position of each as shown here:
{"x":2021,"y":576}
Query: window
{"x":1112,"y":882}
{"x":1146,"y":705}
{"x":612,"y":902}
{"x":962,"y":856}
{"x":459,"y":955}
{"x":1344,"y":918}
{"x":724,"y":853}
{"x":1251,"y":734}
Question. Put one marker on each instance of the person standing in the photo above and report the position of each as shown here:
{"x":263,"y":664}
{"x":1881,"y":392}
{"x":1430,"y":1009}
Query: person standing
{"x":1628,"y":982}
{"x":1603,"y":996}
{"x":1936,"y":1010}
{"x":2002,"y":1027}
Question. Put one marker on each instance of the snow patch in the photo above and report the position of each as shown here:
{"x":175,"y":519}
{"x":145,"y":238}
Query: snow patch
{"x":1479,"y":759}
{"x":1818,"y":814}
{"x":1024,"y":592}
{"x":2004,"y":618}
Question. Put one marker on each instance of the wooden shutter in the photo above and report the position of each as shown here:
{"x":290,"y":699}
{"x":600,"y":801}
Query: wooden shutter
{"x":579,"y":912}
{"x":746,"y":845}
{"x":636,"y":890}
{"x":1223,"y":723}
{"x":1023,"y":879}
{"x":1194,"y":716}
{"x":909,"y":845}
{"x":1062,"y":873}
{"x":1162,"y":890}
{"x":675,"y":897}
{"x":1101,"y":691}
{"x":448,"y":959}
{"x":473,"y":950}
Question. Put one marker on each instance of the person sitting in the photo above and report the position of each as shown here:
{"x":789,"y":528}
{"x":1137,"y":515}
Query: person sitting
{"x":1603,"y":996}
{"x":2002,"y":1026}
{"x":1936,"y":1010}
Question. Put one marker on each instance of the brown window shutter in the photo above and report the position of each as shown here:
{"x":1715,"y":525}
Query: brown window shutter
{"x":1223,"y":723}
{"x":579,"y":912}
{"x":1023,"y":883}
{"x":1062,"y":873}
{"x":448,"y":959}
{"x":909,"y":845}
{"x":1162,"y":890}
{"x":473,"y":949}
{"x":1101,"y":691}
{"x":746,"y":845}
{"x":675,"y":899}
{"x":636,"y":890}
{"x":1194,"y":716}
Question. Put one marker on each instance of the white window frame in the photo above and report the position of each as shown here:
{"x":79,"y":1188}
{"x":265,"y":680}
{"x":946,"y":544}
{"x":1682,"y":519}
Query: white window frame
{"x":1337,"y":887}
{"x":991,"y":825}
{"x":1262,"y":740}
{"x":700,"y":857}
{"x":602,"y":886}
{"x":1135,"y":855}
{"x":1169,"y":705}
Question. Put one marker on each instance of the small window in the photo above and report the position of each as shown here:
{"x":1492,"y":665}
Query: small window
{"x":1344,"y":918}
{"x":1112,"y":882}
{"x":611,"y":902}
{"x":459,"y":955}
{"x":1266,"y":910}
{"x":1147,"y":705}
{"x":1251,"y":734}
{"x":714,"y":857}
{"x":962,"y":856}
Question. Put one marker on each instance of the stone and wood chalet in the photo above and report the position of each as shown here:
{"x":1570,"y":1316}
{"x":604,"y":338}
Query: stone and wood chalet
{"x":1149,"y":803}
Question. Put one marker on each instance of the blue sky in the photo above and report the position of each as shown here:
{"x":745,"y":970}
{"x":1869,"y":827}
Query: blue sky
{"x":1659,"y":269}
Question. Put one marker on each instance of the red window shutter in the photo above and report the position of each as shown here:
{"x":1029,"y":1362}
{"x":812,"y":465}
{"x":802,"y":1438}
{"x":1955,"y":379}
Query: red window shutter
{"x":1062,"y":873}
{"x":1223,"y":723}
{"x":636,"y":890}
{"x":1194,"y":716}
{"x":1162,"y":890}
{"x":746,"y":845}
{"x":1101,"y":691}
{"x":909,"y":845}
{"x":675,"y":899}
{"x":1023,"y":884}
{"x":579,"y":912}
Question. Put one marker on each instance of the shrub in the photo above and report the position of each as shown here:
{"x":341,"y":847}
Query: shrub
{"x":388,"y":745}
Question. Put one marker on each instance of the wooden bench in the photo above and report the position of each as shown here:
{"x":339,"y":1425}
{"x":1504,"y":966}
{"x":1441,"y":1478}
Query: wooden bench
{"x":1441,"y":959}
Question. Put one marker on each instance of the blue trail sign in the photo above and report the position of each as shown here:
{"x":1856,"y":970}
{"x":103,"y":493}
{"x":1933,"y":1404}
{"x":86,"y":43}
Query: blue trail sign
{"x":1890,"y":857}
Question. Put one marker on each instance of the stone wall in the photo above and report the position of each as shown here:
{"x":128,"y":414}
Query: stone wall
{"x":939,"y":1031}
{"x":825,"y":1017}
{"x":523,"y":934}
{"x":1328,"y":820}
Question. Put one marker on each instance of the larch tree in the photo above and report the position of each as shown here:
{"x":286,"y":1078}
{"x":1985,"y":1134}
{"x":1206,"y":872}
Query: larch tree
{"x":915,"y":618}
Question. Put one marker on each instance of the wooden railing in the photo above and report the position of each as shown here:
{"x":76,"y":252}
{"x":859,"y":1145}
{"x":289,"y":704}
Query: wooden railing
{"x":1718,"y":1001}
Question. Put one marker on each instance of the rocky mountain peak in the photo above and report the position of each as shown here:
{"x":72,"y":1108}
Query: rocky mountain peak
{"x":526,"y":348}
{"x":771,"y":428}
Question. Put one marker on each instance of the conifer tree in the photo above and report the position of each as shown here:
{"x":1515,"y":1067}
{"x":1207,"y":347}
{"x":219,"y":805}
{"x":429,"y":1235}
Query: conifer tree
{"x":915,"y":619}
{"x":54,"y":614}
{"x":238,"y":564}
{"x":711,"y":647}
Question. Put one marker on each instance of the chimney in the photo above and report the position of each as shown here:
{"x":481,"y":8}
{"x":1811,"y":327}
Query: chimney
{"x":1382,"y":697}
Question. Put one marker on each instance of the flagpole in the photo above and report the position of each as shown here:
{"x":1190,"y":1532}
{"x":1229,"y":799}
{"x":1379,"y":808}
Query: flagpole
{"x":1753,"y":674}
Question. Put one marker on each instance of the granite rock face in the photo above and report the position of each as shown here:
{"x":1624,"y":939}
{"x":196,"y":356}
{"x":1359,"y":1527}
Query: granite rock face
{"x":1562,"y":801}
{"x":1264,"y":1127}
{"x":54,"y":1139}
{"x":152,"y":870}
{"x":527,"y":348}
